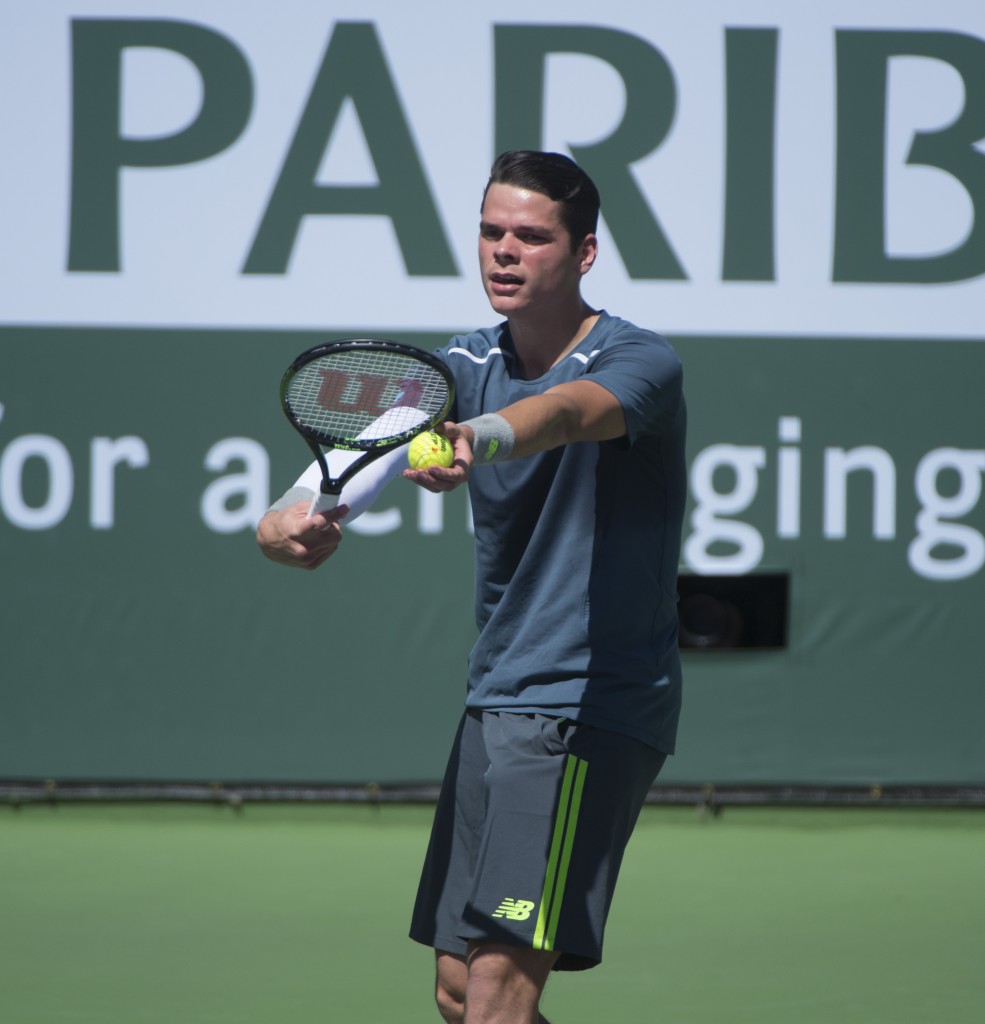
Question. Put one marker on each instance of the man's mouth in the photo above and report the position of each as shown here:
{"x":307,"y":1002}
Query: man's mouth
{"x":505,"y":280}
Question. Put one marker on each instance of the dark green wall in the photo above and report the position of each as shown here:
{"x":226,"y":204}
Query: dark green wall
{"x":160,"y":649}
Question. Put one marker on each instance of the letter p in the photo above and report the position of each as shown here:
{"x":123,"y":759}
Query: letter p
{"x":99,"y":149}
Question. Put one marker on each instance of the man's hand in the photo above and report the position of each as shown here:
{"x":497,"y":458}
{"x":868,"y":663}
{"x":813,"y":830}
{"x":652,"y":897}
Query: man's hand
{"x":439,"y":479}
{"x":290,"y":538}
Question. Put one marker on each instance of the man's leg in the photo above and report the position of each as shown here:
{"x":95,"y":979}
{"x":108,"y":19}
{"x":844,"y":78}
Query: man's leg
{"x":505,"y":984}
{"x":495,"y":985}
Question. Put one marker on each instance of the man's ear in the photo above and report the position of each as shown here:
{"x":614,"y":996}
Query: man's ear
{"x":587,"y":252}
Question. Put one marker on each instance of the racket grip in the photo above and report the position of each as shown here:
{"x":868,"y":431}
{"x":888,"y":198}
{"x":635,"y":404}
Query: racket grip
{"x":322,"y":502}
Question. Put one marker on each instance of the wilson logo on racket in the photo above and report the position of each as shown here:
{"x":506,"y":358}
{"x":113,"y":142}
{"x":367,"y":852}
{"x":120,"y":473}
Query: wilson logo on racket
{"x":514,"y":910}
{"x":343,"y":392}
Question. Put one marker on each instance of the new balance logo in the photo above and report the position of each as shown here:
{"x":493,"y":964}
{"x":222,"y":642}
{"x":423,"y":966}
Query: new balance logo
{"x":515,"y":910}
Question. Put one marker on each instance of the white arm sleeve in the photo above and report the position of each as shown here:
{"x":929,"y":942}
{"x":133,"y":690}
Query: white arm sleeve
{"x":366,"y":486}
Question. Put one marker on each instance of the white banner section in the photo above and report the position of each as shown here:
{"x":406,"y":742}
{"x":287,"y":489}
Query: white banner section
{"x":768,"y":168}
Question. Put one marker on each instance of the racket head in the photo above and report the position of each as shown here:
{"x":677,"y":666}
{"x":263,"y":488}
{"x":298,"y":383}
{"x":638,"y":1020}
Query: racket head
{"x":333,"y":393}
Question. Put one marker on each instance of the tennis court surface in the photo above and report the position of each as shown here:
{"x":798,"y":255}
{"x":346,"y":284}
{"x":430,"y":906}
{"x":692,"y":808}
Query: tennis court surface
{"x":290,"y":914}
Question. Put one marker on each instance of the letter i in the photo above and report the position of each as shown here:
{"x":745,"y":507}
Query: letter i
{"x":788,"y":479}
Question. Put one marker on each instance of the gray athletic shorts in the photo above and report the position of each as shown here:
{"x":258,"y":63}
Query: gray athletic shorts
{"x":529,"y":833}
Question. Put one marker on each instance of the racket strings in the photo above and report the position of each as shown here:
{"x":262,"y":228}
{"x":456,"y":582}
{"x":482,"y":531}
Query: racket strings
{"x":341,"y":395}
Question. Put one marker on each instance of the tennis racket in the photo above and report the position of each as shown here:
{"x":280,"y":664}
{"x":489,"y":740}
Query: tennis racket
{"x":363,"y":396}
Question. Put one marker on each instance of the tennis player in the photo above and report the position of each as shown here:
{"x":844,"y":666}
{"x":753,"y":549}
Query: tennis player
{"x":569,"y":430}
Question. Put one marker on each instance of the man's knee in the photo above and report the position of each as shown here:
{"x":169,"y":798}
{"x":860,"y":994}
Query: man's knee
{"x":451,"y":1009}
{"x":450,"y":986}
{"x":450,"y":1005}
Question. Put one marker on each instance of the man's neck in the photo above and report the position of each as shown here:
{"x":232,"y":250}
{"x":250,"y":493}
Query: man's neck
{"x":542,"y":343}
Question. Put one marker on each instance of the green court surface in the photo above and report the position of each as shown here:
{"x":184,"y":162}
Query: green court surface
{"x":290,"y":914}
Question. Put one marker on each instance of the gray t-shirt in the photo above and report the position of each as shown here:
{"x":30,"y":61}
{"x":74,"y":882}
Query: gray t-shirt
{"x":577,"y":548}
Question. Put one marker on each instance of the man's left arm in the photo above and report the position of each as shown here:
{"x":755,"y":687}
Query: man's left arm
{"x":579,"y":410}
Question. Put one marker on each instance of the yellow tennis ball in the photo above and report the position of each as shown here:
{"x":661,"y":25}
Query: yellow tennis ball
{"x":430,"y":449}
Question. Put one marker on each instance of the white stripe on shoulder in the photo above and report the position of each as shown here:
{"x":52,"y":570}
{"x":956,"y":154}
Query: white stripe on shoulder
{"x":583,"y":357}
{"x":473,"y":356}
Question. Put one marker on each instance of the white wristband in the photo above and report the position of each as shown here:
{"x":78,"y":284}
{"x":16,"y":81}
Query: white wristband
{"x":494,"y":438}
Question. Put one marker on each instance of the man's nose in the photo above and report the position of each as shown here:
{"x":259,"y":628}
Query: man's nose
{"x":504,"y":251}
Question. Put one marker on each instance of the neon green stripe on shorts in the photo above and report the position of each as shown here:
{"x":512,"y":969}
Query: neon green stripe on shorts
{"x":560,"y":857}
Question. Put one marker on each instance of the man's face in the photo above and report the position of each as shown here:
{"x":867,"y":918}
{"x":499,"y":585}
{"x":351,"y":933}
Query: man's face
{"x":525,"y":252}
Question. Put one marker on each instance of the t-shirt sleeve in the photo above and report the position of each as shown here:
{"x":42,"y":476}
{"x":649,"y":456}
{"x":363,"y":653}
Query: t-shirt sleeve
{"x":644,"y":372}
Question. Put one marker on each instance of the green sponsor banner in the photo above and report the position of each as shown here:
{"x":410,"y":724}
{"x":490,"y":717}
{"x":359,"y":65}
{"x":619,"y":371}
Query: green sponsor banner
{"x":144,"y":637}
{"x":160,"y":647}
{"x":881,"y":679}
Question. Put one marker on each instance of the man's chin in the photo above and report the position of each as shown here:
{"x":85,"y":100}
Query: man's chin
{"x":503,"y":304}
